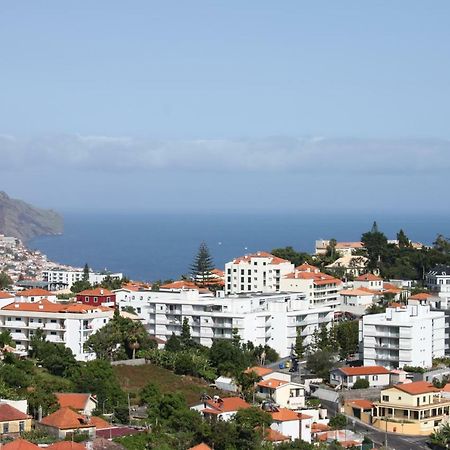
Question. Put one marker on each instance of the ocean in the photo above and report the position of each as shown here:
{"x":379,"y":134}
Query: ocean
{"x":162,"y":246}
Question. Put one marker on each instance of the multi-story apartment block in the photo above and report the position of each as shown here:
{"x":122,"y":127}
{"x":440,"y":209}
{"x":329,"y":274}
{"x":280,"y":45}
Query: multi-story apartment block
{"x":66,"y":278}
{"x":70,"y":324}
{"x":319,"y":288}
{"x":271,"y":319}
{"x":258,"y":272}
{"x":403,"y":336}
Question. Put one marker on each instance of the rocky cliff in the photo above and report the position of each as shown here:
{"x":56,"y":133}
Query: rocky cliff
{"x":21,"y":220}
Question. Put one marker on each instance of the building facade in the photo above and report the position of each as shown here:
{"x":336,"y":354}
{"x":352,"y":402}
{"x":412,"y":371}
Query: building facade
{"x":97,"y":297}
{"x":402,"y":336}
{"x":262,"y":319}
{"x":258,"y":272}
{"x":70,"y":325}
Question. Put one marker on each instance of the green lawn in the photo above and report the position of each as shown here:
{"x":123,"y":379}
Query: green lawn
{"x":133,"y":378}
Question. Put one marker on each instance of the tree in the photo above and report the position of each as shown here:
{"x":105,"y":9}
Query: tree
{"x":441,"y":244}
{"x":299,"y":348}
{"x":247,"y":383}
{"x":361,"y":383}
{"x":403,"y":240}
{"x":185,"y":336}
{"x":375,"y":243}
{"x":173,"y":344}
{"x":338,"y":422}
{"x":86,"y":273}
{"x":288,"y":253}
{"x":6,"y":339}
{"x":201,"y":268}
{"x":5,"y":280}
{"x":253,"y":417}
{"x":331,"y":249}
{"x":347,"y":337}
{"x":80,"y":285}
{"x":320,"y":363}
{"x":150,"y":394}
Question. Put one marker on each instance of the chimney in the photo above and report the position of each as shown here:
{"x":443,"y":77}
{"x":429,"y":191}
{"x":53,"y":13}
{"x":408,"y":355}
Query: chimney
{"x":101,"y":291}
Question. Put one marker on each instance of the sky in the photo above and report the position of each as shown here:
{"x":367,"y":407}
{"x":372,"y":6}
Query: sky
{"x":255,"y":106}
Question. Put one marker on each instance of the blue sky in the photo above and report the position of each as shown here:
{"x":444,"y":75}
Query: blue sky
{"x":254,"y":72}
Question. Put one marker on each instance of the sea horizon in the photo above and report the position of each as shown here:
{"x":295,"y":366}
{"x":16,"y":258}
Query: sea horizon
{"x":152,"y":246}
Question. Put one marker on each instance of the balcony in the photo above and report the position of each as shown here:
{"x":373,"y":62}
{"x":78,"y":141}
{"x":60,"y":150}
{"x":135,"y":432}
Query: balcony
{"x":296,"y":402}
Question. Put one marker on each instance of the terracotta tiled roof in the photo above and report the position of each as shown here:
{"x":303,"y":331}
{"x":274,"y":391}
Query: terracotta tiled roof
{"x":6,"y":295}
{"x":260,"y":371}
{"x":72,"y":400}
{"x":227,"y":404}
{"x":318,"y":278}
{"x":284,"y":415}
{"x":368,"y":277}
{"x":364,"y":370}
{"x":248,"y":258}
{"x":34,"y":293}
{"x":272,"y":383}
{"x":97,"y":292}
{"x":20,"y":444}
{"x":49,"y":307}
{"x":421,"y":296}
{"x":7,"y":413}
{"x":316,"y":427}
{"x":67,"y":445}
{"x":275,"y":436}
{"x":305,"y":267}
{"x":417,"y":387}
{"x":342,"y":245}
{"x":180,"y":284}
{"x":201,"y":446}
{"x":100,"y":423}
{"x":361,"y":403}
{"x":65,"y":418}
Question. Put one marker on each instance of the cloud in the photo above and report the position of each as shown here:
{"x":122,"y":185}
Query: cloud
{"x":315,"y":155}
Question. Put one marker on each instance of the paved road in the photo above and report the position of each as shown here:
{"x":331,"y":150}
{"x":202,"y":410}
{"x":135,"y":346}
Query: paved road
{"x":394,"y":441}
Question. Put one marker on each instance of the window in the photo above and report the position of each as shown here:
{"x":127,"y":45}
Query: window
{"x":21,"y":426}
{"x":385,"y":398}
{"x":86,"y":299}
{"x":95,"y":300}
{"x":6,"y":428}
{"x":138,"y":310}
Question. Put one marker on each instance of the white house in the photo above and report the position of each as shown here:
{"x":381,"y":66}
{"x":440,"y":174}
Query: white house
{"x":356,"y":301}
{"x":221,"y":408}
{"x":368,"y":281}
{"x":70,"y":324}
{"x":351,"y":264}
{"x":257,"y":272}
{"x":402,"y":336}
{"x":345,"y":377}
{"x":270,"y":319}
{"x":286,"y":394}
{"x":292,"y":424}
{"x":35,"y":295}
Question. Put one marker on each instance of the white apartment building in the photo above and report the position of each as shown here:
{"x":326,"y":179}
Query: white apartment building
{"x":402,"y":336}
{"x":258,"y":272}
{"x":319,"y":288}
{"x":70,"y":324}
{"x":59,"y":277}
{"x":270,"y":319}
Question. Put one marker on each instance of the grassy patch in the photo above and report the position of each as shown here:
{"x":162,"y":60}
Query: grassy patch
{"x":134,"y":378}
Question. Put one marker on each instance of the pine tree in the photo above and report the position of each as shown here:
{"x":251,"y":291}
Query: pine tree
{"x":202,"y":266}
{"x":185,"y":336}
{"x":403,"y":241}
{"x":86,"y":272}
{"x":299,"y":347}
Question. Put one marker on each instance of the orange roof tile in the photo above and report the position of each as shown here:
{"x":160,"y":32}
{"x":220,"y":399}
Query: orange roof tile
{"x":446,"y":388}
{"x":417,"y":387}
{"x":99,"y":292}
{"x":7,"y":413}
{"x":227,"y":404}
{"x":368,"y":277}
{"x":20,"y":444}
{"x":361,"y":403}
{"x":67,"y":445}
{"x":315,"y":427}
{"x":275,"y":436}
{"x":201,"y":446}
{"x":421,"y":296}
{"x":49,"y":307}
{"x":72,"y":400}
{"x":65,"y":418}
{"x":305,"y":267}
{"x":6,"y":295}
{"x":284,"y":415}
{"x":272,"y":383}
{"x":248,"y":258}
{"x":180,"y":284}
{"x":357,"y":293}
{"x":364,"y":370}
{"x":260,"y":371}
{"x":100,"y":423}
{"x":34,"y":293}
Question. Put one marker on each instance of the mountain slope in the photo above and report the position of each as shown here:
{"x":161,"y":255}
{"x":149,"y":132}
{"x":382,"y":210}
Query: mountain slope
{"x":21,"y":220}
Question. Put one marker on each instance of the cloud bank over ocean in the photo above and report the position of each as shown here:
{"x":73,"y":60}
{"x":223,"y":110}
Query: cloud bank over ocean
{"x":274,"y":154}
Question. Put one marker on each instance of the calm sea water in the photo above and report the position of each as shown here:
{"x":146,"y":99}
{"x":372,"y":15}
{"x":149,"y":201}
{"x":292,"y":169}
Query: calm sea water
{"x":161,"y":246}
